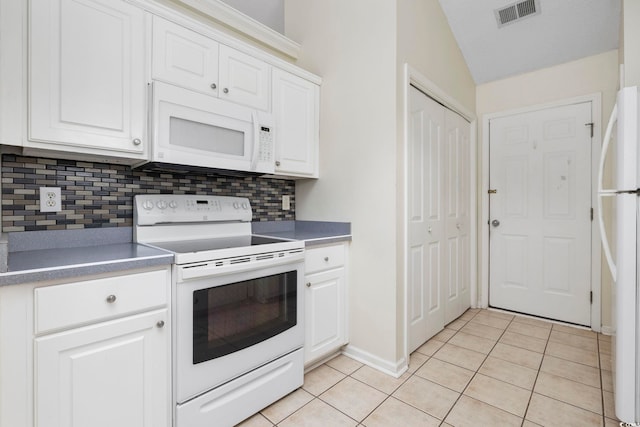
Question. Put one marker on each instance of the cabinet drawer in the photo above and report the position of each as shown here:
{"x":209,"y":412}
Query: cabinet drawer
{"x":323,"y":258}
{"x":64,"y":306}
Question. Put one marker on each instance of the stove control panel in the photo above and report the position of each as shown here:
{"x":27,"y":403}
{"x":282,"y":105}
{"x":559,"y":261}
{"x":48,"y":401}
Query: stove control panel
{"x":150,"y":209}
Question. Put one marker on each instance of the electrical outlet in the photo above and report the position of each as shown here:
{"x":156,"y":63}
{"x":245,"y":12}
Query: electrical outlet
{"x":286,"y":203}
{"x":50,"y":199}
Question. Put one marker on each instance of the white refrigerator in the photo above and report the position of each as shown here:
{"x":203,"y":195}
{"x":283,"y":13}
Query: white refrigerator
{"x":624,"y":262}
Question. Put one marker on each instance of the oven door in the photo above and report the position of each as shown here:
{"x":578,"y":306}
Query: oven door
{"x":227,"y":325}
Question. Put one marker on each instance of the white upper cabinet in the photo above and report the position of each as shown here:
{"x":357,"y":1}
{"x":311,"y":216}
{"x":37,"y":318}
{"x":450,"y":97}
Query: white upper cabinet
{"x":86,"y":77}
{"x":184,"y":57}
{"x":191,"y":60}
{"x":244,"y":79}
{"x":296,"y":113}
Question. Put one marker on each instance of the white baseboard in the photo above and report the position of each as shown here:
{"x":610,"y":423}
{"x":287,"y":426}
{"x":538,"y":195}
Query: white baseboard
{"x":394,"y":369}
{"x":606,"y":330}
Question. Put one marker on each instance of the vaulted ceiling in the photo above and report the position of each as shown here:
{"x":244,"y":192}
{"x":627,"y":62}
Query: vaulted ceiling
{"x":560,"y":31}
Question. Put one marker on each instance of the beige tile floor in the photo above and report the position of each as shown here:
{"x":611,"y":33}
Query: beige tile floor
{"x":486,"y":368}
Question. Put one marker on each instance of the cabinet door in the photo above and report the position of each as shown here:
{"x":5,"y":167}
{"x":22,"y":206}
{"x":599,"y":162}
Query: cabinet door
{"x":244,"y":79}
{"x":295,"y":110}
{"x":111,"y":374}
{"x":184,"y":57}
{"x":325,"y":314}
{"x":87,"y":87}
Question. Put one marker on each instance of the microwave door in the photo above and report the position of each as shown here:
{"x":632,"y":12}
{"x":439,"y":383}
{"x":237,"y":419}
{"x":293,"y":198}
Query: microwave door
{"x":199,"y":130}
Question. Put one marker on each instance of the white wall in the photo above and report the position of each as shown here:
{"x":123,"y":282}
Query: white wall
{"x":594,"y":74}
{"x":268,"y":12}
{"x":427,"y":44}
{"x":631,"y":42}
{"x":359,"y":47}
{"x":351,"y":45}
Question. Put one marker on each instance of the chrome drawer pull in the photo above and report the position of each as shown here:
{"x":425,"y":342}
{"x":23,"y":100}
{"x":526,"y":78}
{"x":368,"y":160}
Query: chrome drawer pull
{"x":111,"y":299}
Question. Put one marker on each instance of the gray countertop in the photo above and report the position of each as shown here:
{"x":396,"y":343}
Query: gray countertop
{"x":50,"y":255}
{"x":312,"y":232}
{"x":40,"y":256}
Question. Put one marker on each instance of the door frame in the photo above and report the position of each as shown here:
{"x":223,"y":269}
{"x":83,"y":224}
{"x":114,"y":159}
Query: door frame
{"x":596,"y":261}
{"x":413,"y":77}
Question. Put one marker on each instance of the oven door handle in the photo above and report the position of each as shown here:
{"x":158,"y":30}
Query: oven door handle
{"x":214,"y":268}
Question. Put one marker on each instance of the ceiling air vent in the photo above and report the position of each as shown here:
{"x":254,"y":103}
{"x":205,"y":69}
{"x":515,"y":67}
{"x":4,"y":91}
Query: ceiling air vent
{"x":517,"y":11}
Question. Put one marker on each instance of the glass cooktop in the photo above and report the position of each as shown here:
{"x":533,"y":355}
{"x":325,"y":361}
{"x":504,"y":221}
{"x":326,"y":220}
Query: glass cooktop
{"x":200,"y":245}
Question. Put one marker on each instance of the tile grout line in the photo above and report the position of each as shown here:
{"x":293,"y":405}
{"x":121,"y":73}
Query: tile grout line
{"x":604,"y":418}
{"x":477,"y":370}
{"x":533,"y":386}
{"x":475,"y":373}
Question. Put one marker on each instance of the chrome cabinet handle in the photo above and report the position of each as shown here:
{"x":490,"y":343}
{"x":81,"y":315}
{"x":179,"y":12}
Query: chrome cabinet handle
{"x":111,"y":299}
{"x":458,"y":226}
{"x":137,"y":141}
{"x":214,"y":86}
{"x":308,"y":284}
{"x":225,"y":90}
{"x":429,"y":230}
{"x":495,"y":223}
{"x":326,"y":259}
{"x":160,"y":324}
{"x":277,"y":162}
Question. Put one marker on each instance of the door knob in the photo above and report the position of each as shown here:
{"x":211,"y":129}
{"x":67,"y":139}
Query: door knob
{"x":495,"y":223}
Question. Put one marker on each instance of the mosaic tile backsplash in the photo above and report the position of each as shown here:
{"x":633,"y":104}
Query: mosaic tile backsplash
{"x":98,"y":195}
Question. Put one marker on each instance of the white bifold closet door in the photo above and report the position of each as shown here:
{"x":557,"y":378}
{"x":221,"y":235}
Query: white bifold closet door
{"x":438,"y":217}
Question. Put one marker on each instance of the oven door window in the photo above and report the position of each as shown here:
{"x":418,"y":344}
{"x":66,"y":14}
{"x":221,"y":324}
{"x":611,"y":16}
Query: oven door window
{"x":232,"y":317}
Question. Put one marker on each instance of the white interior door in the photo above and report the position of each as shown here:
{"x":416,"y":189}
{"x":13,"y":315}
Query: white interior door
{"x":540,"y":213}
{"x":426,"y":226}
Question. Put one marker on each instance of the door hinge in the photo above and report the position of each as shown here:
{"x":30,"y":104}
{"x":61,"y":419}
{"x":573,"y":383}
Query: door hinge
{"x":591,"y":126}
{"x":591,"y":214}
{"x":591,"y":297}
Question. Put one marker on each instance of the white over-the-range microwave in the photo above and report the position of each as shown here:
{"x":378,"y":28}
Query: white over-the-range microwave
{"x":197,"y":132}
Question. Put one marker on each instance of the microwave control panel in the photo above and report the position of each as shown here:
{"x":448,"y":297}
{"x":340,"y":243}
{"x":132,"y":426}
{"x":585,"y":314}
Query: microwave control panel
{"x":265,"y":144}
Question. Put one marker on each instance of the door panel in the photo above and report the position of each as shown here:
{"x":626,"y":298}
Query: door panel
{"x":115,"y":373}
{"x":540,"y":251}
{"x":426,"y":225}
{"x":86,"y":75}
{"x":457,"y":221}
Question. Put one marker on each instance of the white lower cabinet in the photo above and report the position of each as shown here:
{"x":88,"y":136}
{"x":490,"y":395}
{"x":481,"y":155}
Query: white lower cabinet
{"x":93,"y":352}
{"x":110,"y":374}
{"x":325,"y":301}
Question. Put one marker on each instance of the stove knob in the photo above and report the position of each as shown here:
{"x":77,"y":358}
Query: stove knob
{"x":173,"y":204}
{"x":236,"y":205}
{"x":162,"y":204}
{"x":147,"y":204}
{"x":244,"y":206}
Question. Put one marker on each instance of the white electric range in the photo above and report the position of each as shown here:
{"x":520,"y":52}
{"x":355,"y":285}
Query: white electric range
{"x":237,"y":306}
